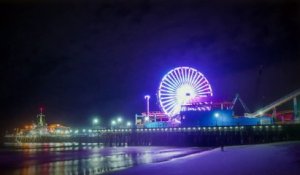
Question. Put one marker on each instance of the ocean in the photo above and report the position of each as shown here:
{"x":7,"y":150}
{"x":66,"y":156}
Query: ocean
{"x":85,"y":158}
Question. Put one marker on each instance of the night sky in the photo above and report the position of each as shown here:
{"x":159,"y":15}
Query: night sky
{"x":85,"y":58}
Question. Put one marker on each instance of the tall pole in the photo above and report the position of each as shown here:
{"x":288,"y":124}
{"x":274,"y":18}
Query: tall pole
{"x":295,"y":109}
{"x":274,"y":113}
{"x":147,"y":97}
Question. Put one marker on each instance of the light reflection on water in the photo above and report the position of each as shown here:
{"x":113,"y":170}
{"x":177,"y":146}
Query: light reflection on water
{"x":88,"y":158}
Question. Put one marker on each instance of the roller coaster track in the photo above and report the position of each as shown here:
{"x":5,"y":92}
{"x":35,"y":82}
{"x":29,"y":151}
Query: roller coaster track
{"x":276,"y":103}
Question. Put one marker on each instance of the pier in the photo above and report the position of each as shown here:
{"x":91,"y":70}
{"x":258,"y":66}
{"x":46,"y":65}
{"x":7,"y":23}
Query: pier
{"x":183,"y":136}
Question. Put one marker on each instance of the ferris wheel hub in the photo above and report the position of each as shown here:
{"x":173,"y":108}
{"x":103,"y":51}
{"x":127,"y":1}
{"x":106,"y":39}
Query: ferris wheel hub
{"x":185,"y":93}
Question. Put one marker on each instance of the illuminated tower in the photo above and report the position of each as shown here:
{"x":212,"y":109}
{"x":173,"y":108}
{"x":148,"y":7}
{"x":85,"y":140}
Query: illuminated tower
{"x":41,"y":119}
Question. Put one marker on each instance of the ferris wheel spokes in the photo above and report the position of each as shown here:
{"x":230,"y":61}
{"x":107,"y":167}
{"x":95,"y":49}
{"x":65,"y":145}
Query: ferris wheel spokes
{"x":179,"y":86}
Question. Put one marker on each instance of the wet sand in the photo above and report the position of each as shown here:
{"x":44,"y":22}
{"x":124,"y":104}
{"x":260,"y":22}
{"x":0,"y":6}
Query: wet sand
{"x":272,"y":159}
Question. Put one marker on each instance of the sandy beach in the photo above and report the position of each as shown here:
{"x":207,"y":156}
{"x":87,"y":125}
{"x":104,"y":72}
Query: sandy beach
{"x":272,"y":159}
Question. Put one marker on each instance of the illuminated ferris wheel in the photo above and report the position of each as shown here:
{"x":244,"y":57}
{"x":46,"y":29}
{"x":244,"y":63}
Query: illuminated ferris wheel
{"x":181,"y":86}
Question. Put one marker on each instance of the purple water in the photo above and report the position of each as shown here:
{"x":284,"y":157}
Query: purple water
{"x":89,"y":158}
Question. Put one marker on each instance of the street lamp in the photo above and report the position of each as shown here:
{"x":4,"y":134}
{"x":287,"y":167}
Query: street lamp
{"x":147,"y":97}
{"x":113,"y":123}
{"x":95,"y":121}
{"x":128,"y":124}
{"x":217,"y":115}
{"x":119,"y":119}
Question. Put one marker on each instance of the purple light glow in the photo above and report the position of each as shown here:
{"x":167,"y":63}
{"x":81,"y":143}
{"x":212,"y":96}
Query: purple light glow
{"x":180,"y":86}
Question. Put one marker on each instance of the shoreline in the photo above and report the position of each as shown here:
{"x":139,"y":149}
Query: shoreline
{"x":270,"y":158}
{"x":92,"y":159}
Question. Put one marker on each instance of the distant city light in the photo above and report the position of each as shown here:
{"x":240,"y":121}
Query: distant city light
{"x":113,"y":122}
{"x":128,"y":123}
{"x":83,"y":130}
